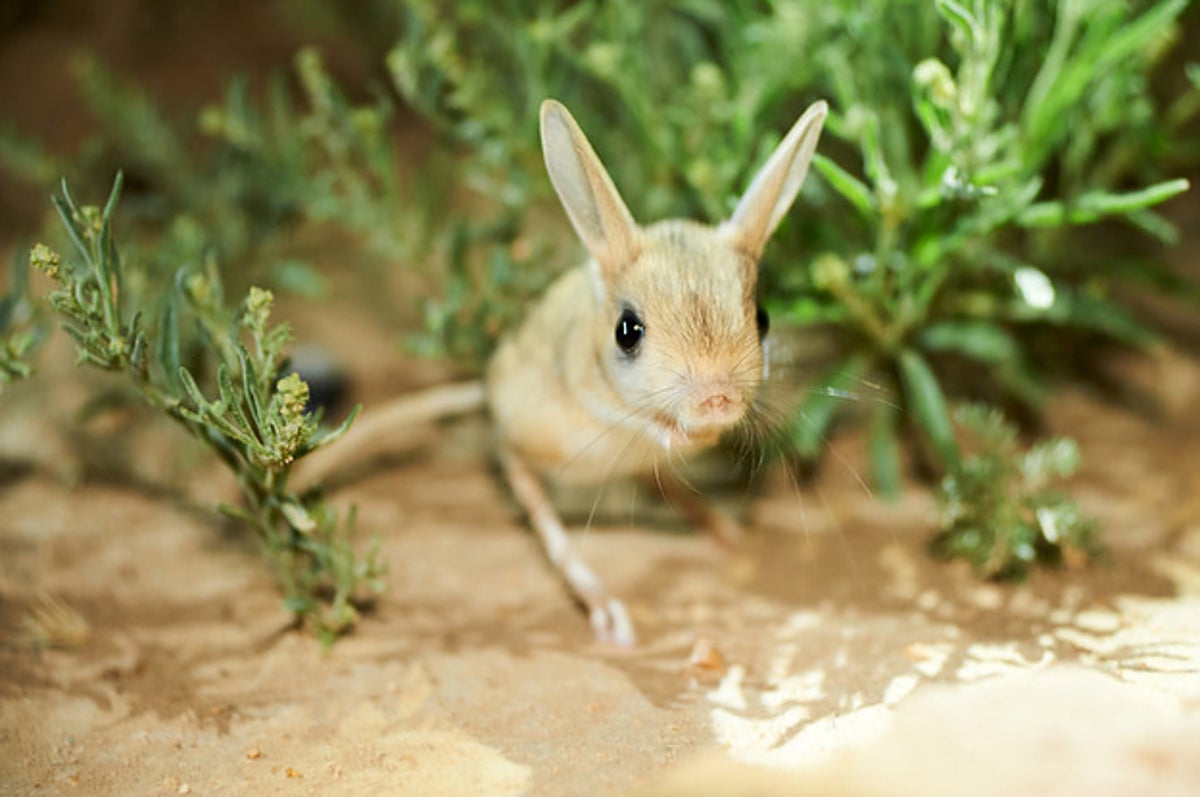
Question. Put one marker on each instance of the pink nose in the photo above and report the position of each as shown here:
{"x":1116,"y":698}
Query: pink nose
{"x":716,"y":404}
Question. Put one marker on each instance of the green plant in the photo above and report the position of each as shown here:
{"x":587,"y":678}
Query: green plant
{"x":1000,"y":509}
{"x":21,"y":331}
{"x":1002,"y":126}
{"x":257,"y":423}
{"x":237,"y":179}
{"x":968,"y":143}
{"x":327,"y":161}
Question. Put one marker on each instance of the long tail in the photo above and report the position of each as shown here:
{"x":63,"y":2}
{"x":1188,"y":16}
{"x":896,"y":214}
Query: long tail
{"x":390,"y":427}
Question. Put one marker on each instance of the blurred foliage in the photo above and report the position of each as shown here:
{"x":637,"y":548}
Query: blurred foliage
{"x":1026,"y":121}
{"x":1000,"y":510}
{"x":967,"y":145}
{"x":257,"y":424}
{"x":235,"y":181}
{"x":21,"y":329}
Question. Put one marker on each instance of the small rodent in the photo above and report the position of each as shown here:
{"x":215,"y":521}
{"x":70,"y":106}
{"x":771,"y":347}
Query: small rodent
{"x":642,"y":356}
{"x":647,"y":353}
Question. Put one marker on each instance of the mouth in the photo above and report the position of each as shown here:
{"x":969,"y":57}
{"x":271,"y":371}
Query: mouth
{"x":672,"y":433}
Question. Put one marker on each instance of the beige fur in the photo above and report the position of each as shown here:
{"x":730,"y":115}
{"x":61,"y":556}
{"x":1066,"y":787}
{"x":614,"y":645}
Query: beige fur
{"x":568,"y":403}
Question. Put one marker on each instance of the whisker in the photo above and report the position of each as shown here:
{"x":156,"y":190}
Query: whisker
{"x":587,"y":526}
{"x":621,"y":454}
{"x":613,"y":423}
{"x":836,"y":392}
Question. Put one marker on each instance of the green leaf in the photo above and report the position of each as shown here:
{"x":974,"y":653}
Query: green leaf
{"x":1057,"y":458}
{"x":65,"y":205}
{"x":1153,"y":275}
{"x":979,"y":340}
{"x":992,"y":346}
{"x":300,"y":278}
{"x":236,"y":512}
{"x":1155,"y":225}
{"x":192,"y":389}
{"x":258,"y":413}
{"x":874,"y":160}
{"x":822,"y":401}
{"x":302,"y":605}
{"x":928,"y":405}
{"x":137,"y":355}
{"x":885,"y":451}
{"x":1095,"y":205}
{"x":1043,"y":121}
{"x":807,"y":310}
{"x":106,"y":248}
{"x":298,"y":517}
{"x":326,"y":436}
{"x":168,"y":343}
{"x":960,"y":18}
{"x":245,"y":429}
{"x":1192,"y":70}
{"x":853,"y":190}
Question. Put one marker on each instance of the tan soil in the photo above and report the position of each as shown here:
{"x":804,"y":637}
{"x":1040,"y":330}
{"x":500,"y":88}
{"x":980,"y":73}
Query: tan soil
{"x":476,"y":675}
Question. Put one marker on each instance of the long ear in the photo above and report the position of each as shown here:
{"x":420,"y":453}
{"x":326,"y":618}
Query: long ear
{"x":775,"y":186}
{"x":586,"y":191}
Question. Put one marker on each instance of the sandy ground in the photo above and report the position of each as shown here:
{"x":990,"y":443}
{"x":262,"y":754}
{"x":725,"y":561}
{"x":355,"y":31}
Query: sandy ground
{"x":847,"y":661}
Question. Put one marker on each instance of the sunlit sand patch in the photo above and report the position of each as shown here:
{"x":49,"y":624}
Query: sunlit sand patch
{"x":989,"y":660}
{"x":787,"y":715}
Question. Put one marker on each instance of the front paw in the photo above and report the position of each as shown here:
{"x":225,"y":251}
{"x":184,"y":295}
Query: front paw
{"x":611,"y":623}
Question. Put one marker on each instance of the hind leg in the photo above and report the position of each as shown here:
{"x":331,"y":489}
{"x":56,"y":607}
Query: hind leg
{"x":609,"y":618}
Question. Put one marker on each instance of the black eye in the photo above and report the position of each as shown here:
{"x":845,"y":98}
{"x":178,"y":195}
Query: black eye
{"x":629,"y":331}
{"x":763,"y":320}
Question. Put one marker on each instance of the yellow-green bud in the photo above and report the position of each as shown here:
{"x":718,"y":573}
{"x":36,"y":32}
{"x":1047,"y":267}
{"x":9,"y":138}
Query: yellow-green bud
{"x":702,"y":174}
{"x":293,"y":395}
{"x":199,"y":289}
{"x":708,"y":80}
{"x":258,"y":307}
{"x":212,"y":121}
{"x":288,"y":403}
{"x":90,"y":219}
{"x":830,"y":272}
{"x":934,"y":76}
{"x":366,"y":122}
{"x":45,"y":260}
{"x":603,"y":58}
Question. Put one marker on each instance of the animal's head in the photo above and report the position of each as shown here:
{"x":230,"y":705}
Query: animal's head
{"x":682,"y":333}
